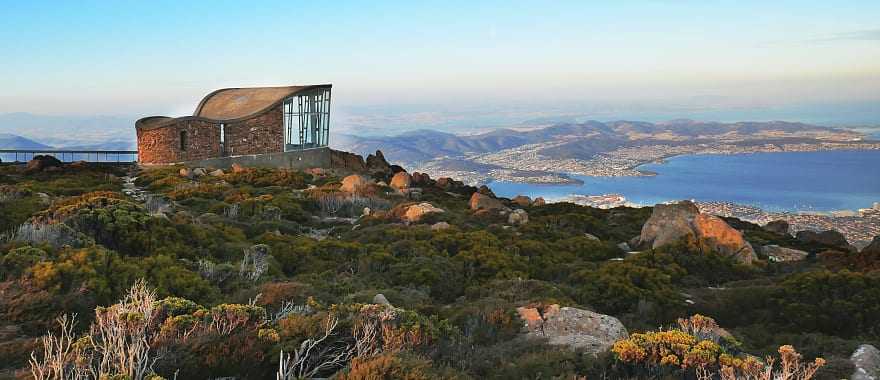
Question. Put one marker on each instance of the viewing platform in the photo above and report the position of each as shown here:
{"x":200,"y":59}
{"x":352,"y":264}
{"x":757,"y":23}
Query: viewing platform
{"x":116,"y":157}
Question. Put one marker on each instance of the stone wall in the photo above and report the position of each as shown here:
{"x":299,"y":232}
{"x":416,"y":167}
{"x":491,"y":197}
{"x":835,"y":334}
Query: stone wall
{"x":162,"y":145}
{"x":299,"y":160}
{"x":257,"y":135}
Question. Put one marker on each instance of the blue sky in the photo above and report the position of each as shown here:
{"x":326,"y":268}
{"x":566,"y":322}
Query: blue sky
{"x":161,"y":57}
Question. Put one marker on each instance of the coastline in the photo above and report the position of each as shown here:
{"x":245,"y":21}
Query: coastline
{"x":632,"y":167}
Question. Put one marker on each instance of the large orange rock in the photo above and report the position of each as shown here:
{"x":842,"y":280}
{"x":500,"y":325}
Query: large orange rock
{"x":723,"y":238}
{"x":522,"y":200}
{"x":672,"y":222}
{"x":355,"y":184}
{"x":480,"y":201}
{"x":401,"y":180}
{"x":416,"y":212}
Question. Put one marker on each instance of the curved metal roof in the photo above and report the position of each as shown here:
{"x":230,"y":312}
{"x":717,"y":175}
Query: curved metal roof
{"x":238,"y":103}
{"x":232,"y":104}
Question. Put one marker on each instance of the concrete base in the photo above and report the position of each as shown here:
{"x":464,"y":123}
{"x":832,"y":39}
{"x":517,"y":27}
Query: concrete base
{"x":299,"y":160}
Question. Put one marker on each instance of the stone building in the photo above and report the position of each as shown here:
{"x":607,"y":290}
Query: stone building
{"x":235,"y":122}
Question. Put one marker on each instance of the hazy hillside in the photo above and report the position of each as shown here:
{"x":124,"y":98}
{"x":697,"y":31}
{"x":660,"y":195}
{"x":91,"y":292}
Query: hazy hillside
{"x":92,"y":132}
{"x":10,"y":141}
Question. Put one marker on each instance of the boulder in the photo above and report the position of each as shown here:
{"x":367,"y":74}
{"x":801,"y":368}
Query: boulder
{"x":415,"y":213}
{"x":522,"y":201}
{"x":830,"y":238}
{"x":217,"y":173}
{"x":199,"y":172}
{"x":379,"y":299}
{"x":42,"y":163}
{"x":401,"y":180}
{"x":573,"y":328}
{"x":866,"y":360}
{"x":778,"y":227}
{"x":376,"y":163}
{"x":448,"y":184}
{"x":873,"y":247}
{"x":624,"y":246}
{"x":539,"y":201}
{"x":518,"y":217}
{"x":77,"y":165}
{"x":778,"y":254}
{"x":355,"y":183}
{"x":237,"y":168}
{"x":480,"y":201}
{"x":185,"y":172}
{"x":591,"y":236}
{"x":485,"y":190}
{"x":671,"y":222}
{"x":421,"y":179}
{"x":439,"y":226}
{"x":397,"y":169}
{"x":317,"y":172}
{"x":347,"y":162}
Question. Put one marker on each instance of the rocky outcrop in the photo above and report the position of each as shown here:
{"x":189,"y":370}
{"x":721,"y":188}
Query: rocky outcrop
{"x":778,"y":227}
{"x":539,"y":201}
{"x":781,"y":254}
{"x":348,"y":162}
{"x":401,"y":181}
{"x":518,"y":217}
{"x":485,"y":190}
{"x":376,"y":164}
{"x":671,"y":222}
{"x":873,"y":247}
{"x":355,"y":184}
{"x":574,"y":328}
{"x":414,"y":213}
{"x":830,"y":238}
{"x":480,"y":201}
{"x":451,"y":185}
{"x":42,"y":163}
{"x":522,"y":201}
{"x":422,"y":179}
{"x":866,"y":360}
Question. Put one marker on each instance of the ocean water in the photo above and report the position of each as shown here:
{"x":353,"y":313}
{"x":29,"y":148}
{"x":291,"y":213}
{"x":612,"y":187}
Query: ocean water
{"x":790,"y":181}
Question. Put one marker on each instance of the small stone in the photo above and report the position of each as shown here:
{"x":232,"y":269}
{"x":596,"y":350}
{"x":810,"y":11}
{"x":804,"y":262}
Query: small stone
{"x":439,"y":226}
{"x":518,"y":217}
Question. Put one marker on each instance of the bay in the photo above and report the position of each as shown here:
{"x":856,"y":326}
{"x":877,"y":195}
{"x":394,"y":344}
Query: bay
{"x":785,"y":181}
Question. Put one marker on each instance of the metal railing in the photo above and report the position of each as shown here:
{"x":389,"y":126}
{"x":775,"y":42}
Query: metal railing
{"x":100,"y":156}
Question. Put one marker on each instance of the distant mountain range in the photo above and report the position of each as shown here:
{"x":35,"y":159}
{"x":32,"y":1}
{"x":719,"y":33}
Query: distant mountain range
{"x":582,"y":140}
{"x":70,"y":132}
{"x":10,"y":141}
